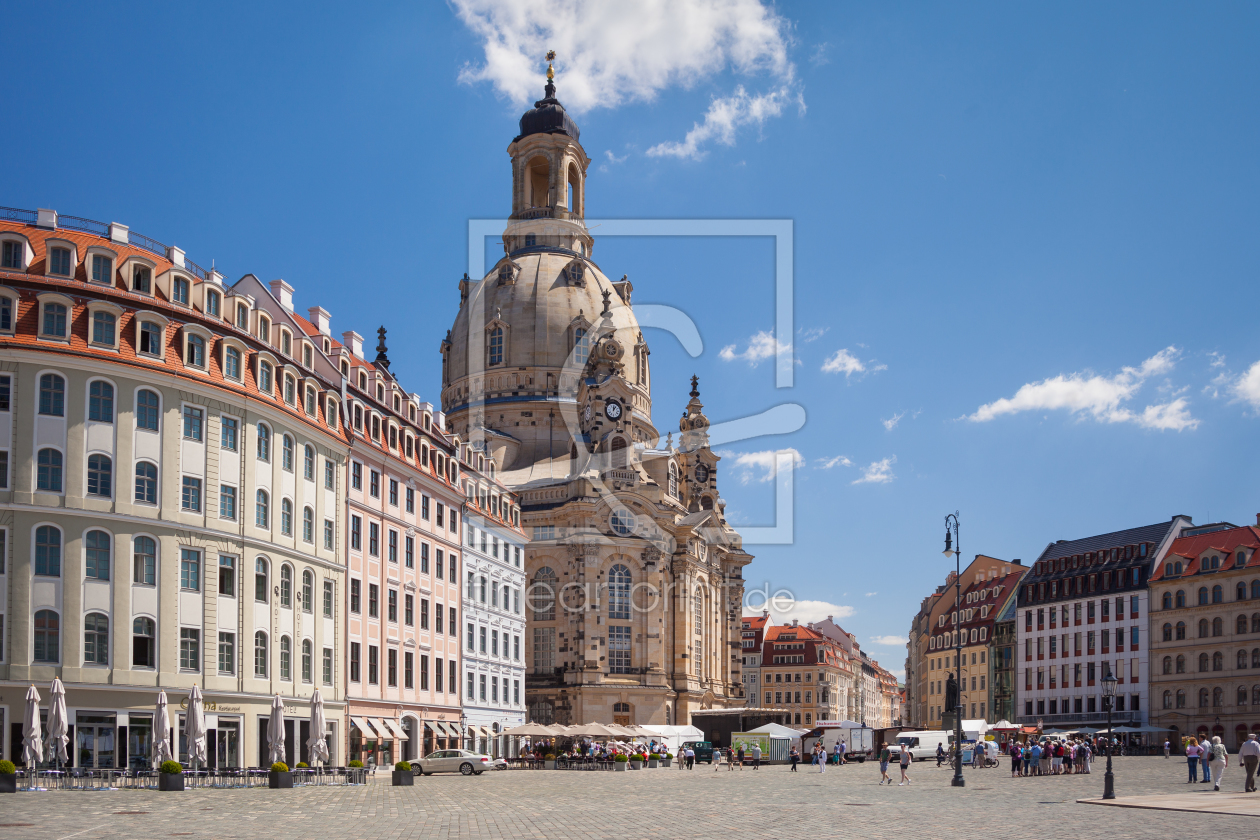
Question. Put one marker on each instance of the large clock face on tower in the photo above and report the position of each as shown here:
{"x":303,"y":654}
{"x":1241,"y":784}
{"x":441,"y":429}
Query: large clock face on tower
{"x":612,"y":410}
{"x":702,"y":473}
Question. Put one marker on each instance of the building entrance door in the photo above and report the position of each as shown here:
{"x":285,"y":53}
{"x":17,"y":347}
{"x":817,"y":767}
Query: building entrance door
{"x":228,"y":744}
{"x":139,"y":742}
{"x":94,"y":740}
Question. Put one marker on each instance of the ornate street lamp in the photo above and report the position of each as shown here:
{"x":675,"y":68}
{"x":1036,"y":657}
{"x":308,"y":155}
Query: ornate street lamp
{"x":463,"y":729}
{"x":1109,"y":700}
{"x":954,"y":704}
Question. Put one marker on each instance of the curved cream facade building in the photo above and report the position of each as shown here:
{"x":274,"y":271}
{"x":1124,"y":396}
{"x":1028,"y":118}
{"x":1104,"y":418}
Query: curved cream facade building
{"x":170,"y":509}
{"x":634,"y":576}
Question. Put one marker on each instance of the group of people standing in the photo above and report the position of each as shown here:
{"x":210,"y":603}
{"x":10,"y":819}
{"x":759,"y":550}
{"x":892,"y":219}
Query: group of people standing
{"x":1050,"y":758}
{"x":1215,"y":758}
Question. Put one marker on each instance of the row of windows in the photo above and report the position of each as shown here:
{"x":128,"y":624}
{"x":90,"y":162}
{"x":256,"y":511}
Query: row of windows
{"x":1076,"y":561}
{"x":1061,"y":613}
{"x":1211,"y":563}
{"x":514,"y":652}
{"x":1215,"y":663}
{"x":493,"y":697}
{"x":1215,"y":628}
{"x":490,"y":545}
{"x":543,"y":591}
{"x":374,"y":607}
{"x":1055,"y":648}
{"x":1215,"y":698}
{"x":47,"y":647}
{"x":1216,"y":595}
{"x":444,"y":679}
{"x":1082,"y":584}
{"x":1080,"y":705}
{"x":781,"y":698}
{"x":511,"y":598}
{"x":441,"y":519}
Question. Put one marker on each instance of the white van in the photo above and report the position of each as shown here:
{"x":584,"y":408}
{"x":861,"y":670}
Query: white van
{"x":922,"y":745}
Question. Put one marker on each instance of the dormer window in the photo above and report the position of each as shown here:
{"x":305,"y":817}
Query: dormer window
{"x":13,"y":255}
{"x":54,"y":322}
{"x":195,"y":353}
{"x":242,"y":316}
{"x":102,"y":268}
{"x":308,"y":356}
{"x":345,"y":368}
{"x":496,"y":346}
{"x":411,"y":413}
{"x":264,"y":329}
{"x":310,"y":400}
{"x":428,"y":421}
{"x":397,"y":403}
{"x":380,"y":393}
{"x":327,"y":346}
{"x":362,"y":381}
{"x":231,"y":362}
{"x":212,"y":303}
{"x":264,"y":377}
{"x":286,"y":343}
{"x":58,"y":261}
{"x":358,"y":417}
{"x":104,"y":328}
{"x":376,"y":427}
{"x":180,"y":290}
{"x":290,"y":389}
{"x":142,"y":280}
{"x":331,"y":417}
{"x":150,"y":338}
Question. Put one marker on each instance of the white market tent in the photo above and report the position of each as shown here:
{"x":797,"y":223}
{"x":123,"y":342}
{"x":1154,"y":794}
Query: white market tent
{"x":673,"y":736}
{"x":974,"y":730}
{"x":778,"y":731}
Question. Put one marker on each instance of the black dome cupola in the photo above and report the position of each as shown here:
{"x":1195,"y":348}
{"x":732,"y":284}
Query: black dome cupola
{"x":548,"y":115}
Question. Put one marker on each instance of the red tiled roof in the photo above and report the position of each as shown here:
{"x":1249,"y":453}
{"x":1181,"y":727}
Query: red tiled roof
{"x":1225,"y":542}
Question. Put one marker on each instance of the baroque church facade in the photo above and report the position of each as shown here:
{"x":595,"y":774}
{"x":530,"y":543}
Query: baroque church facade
{"x":634,"y":581}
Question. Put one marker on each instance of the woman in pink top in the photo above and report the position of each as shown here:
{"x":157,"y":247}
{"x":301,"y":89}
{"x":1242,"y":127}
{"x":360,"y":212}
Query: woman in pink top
{"x":1192,"y":759}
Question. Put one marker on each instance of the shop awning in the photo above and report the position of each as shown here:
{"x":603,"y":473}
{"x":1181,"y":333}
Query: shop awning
{"x":437,"y":726}
{"x":485,"y":732}
{"x":382,"y":728}
{"x":396,"y":729}
{"x":366,"y":728}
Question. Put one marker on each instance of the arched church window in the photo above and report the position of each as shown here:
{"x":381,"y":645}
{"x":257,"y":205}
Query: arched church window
{"x":496,"y":346}
{"x":673,"y":479}
{"x":581,"y":346}
{"x":619,"y":592}
{"x":542,"y":594}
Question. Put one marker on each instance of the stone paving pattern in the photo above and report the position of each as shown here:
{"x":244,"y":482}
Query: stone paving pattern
{"x":663,"y":803}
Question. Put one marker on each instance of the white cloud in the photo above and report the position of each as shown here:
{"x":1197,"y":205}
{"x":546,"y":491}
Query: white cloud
{"x":1218,"y":359}
{"x":610,"y":54}
{"x":871,"y":594}
{"x":725,"y":115}
{"x":1100,"y":397}
{"x":838,"y":461}
{"x":889,"y":640}
{"x":807,"y":611}
{"x":1247,"y":386}
{"x":842,"y":361}
{"x":891,"y":422}
{"x":878,"y":472}
{"x":812,"y":334}
{"x":819,"y":55}
{"x":761,"y":346}
{"x":760,"y":466}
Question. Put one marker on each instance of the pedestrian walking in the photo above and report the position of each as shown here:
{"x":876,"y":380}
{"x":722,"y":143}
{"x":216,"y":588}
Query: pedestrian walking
{"x":730,"y":759}
{"x":940,"y":754}
{"x":1205,"y":758}
{"x":756,"y":751}
{"x":1249,"y":754}
{"x":884,"y":756}
{"x":1017,"y":758}
{"x":843,"y":749}
{"x":822,"y":758}
{"x":905,"y":765}
{"x":718,"y":755}
{"x":1219,"y":760}
{"x":1167,"y":748}
{"x":691,"y":758}
{"x":794,"y":757}
{"x":740,"y":756}
{"x":1192,"y":760}
{"x":836,"y":748}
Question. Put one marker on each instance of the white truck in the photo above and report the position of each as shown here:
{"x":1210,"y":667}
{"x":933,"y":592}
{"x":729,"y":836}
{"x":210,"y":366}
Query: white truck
{"x":859,"y":742}
{"x":922,"y":745}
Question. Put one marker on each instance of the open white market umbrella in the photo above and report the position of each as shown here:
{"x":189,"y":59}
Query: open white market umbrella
{"x":58,"y":725}
{"x":590,"y":730}
{"x":161,"y":731}
{"x":537,"y":730}
{"x":195,"y":728}
{"x":32,"y":737}
{"x":275,"y":730}
{"x":317,"y":744}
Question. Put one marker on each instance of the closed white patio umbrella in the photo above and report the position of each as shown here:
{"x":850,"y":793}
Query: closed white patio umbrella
{"x":195,"y":728}
{"x":32,"y":735}
{"x":58,"y":725}
{"x":317,"y":744}
{"x":161,"y":731}
{"x":275,"y":731}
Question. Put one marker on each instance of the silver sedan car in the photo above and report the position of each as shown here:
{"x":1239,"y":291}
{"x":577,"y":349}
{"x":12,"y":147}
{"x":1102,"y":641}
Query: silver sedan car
{"x":452,"y":761}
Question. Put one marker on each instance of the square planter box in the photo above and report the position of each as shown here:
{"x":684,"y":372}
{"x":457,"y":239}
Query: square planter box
{"x":403,"y":778}
{"x":280,"y":780}
{"x":653,"y":763}
{"x":170,"y":781}
{"x":8,"y":782}
{"x":620,"y":766}
{"x":636,"y":765}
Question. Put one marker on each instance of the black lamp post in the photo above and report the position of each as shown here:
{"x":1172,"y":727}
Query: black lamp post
{"x":953,"y":548}
{"x":1109,"y":700}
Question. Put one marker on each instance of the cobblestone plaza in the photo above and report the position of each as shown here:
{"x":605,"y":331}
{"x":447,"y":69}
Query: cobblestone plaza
{"x":771,"y":802}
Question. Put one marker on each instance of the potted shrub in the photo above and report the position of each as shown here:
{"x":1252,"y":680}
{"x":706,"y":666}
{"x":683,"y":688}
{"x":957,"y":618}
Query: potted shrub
{"x":171,"y":776}
{"x":8,"y":777}
{"x":636,"y":761}
{"x":667,"y":758}
{"x":280,"y":777}
{"x":620,"y":761}
{"x":551,"y":761}
{"x":402,"y":774}
{"x":654,"y":761}
{"x":355,"y":763}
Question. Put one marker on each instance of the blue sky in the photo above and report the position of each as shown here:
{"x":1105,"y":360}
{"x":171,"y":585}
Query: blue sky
{"x":1029,"y":228}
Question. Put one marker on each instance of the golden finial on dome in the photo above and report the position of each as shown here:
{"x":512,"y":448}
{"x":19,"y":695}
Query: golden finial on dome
{"x":551,"y":73}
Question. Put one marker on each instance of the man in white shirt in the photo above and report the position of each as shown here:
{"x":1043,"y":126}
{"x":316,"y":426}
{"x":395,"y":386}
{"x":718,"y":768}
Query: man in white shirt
{"x":1249,"y":752}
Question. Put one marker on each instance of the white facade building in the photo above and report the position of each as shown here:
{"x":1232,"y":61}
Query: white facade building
{"x":494,"y":624}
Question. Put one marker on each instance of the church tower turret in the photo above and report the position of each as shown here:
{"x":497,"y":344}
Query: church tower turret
{"x":548,"y":179}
